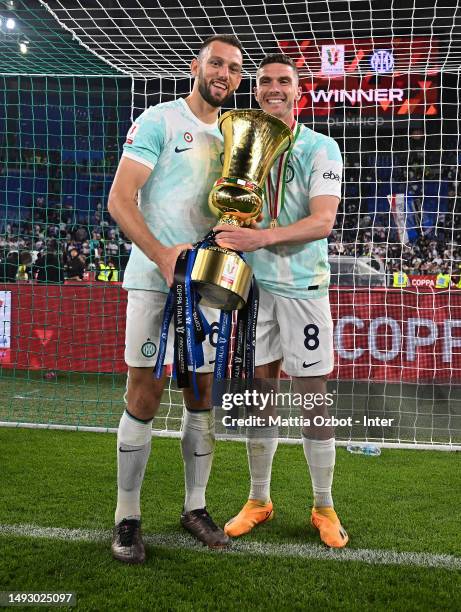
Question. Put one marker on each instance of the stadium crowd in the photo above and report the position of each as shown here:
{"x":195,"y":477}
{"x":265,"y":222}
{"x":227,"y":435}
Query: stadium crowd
{"x":85,"y":242}
{"x":81,"y":248}
{"x":436,"y":243}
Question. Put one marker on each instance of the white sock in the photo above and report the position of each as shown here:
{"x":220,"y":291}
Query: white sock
{"x":197,"y":444}
{"x":320,"y":456}
{"x":133,"y":449}
{"x":262,"y":443}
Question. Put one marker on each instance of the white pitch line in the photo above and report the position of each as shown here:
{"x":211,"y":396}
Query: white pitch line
{"x":304,"y":551}
{"x":26,"y":395}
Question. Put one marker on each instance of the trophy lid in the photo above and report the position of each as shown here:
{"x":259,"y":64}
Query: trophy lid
{"x":258,"y":117}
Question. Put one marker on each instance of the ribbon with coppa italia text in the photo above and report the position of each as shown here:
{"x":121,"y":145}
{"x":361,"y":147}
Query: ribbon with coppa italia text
{"x":191,"y":327}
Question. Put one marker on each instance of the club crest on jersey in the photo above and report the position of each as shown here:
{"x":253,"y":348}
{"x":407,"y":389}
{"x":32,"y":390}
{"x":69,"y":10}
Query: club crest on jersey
{"x":131,"y":133}
{"x":290,"y":173}
{"x":188,"y":137}
{"x":148,"y":349}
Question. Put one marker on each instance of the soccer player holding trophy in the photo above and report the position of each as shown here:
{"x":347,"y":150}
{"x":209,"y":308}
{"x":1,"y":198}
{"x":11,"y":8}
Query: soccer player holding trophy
{"x":289,"y":258}
{"x":172,"y":157}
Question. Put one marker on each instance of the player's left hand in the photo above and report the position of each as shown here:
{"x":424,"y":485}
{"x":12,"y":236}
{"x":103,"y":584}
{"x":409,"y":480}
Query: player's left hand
{"x":239,"y":238}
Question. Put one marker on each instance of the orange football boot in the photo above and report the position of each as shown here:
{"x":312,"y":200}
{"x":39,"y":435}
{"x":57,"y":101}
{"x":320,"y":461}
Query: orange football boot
{"x":332,"y":533}
{"x":252,"y":513}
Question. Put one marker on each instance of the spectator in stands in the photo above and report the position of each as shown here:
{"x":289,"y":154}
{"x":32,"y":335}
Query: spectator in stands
{"x":125,"y":250}
{"x":96,"y":245}
{"x":86,"y":248}
{"x":48,"y":266}
{"x":106,"y":271}
{"x":75,"y":266}
{"x":9,"y":267}
{"x":80,"y":234}
{"x":24,"y":272}
{"x":82,"y":258}
{"x":112,"y":248}
{"x":113,"y":272}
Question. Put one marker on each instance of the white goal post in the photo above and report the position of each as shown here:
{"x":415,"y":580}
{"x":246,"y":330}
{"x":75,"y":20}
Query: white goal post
{"x":383,"y":79}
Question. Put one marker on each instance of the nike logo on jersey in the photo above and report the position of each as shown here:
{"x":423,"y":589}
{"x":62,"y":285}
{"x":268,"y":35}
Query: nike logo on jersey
{"x":202,"y":454}
{"x":308,"y":365}
{"x":131,"y":450}
{"x":178,"y":150}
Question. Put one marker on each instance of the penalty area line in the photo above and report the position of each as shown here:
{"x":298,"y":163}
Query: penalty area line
{"x":265,"y":549}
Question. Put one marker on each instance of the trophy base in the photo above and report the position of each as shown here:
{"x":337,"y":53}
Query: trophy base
{"x":221,"y":278}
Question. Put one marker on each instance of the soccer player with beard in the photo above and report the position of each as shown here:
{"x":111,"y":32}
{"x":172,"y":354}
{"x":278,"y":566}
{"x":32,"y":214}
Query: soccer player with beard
{"x":171,"y":158}
{"x":289,"y":256}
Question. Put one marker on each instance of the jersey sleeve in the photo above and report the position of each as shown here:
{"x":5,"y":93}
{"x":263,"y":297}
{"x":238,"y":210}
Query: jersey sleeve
{"x":327,"y":170}
{"x":146,"y":137}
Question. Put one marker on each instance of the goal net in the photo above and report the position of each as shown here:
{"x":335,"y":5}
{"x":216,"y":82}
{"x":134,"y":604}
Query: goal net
{"x":381,"y":78}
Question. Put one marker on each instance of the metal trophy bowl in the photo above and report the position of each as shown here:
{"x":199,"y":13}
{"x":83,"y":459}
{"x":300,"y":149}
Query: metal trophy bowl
{"x":253,"y":140}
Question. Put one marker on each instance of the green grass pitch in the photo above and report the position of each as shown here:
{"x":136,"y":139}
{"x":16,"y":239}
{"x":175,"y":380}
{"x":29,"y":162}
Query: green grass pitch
{"x":402,"y":501}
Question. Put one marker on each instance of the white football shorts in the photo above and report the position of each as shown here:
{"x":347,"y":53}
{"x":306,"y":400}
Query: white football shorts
{"x":144,"y":315}
{"x":298,"y":331}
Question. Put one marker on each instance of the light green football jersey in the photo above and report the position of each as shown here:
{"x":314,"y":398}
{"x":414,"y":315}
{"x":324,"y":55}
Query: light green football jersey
{"x":300,"y":271}
{"x":185,"y":157}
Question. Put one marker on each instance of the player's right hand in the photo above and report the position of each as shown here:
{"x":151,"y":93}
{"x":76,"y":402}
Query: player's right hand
{"x":254,"y":222}
{"x":166,"y":261}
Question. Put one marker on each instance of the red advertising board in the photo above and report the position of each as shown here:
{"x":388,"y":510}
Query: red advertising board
{"x":425,"y":282}
{"x":422,"y":281}
{"x":380,"y":335}
{"x":71,"y":327}
{"x":395,"y":335}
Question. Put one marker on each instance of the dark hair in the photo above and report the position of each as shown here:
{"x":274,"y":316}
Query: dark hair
{"x":228,"y":39}
{"x":279,"y":58}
